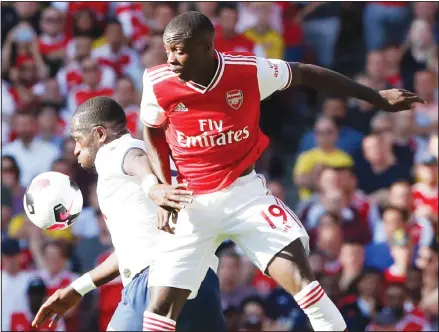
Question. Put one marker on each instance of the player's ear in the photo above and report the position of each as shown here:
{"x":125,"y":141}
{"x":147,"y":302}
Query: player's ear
{"x":102,"y":134}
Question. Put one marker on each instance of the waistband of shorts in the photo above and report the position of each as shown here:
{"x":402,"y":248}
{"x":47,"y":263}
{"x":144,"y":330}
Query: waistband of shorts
{"x":138,"y":274}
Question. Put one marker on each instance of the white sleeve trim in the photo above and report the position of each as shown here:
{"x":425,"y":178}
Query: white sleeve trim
{"x":273,"y":75}
{"x":151,"y":113}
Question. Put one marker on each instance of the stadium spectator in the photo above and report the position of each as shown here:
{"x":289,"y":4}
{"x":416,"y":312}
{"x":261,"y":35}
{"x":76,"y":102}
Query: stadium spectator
{"x":109,"y":294}
{"x":420,"y":49}
{"x":21,"y":318}
{"x":392,"y":185}
{"x":379,"y":169}
{"x":49,"y":125}
{"x":378,"y":252}
{"x":27,"y":149}
{"x":14,"y":281}
{"x":329,"y":240}
{"x":360,"y":113}
{"x":349,"y":140}
{"x":277,"y":189}
{"x":226,"y":37}
{"x":352,"y":263}
{"x":413,"y":286}
{"x":155,"y":54}
{"x":85,"y":23}
{"x":392,"y":58}
{"x":232,"y":293}
{"x":401,"y":254}
{"x":53,"y":40}
{"x":94,"y":240}
{"x":385,"y":22}
{"x":92,"y":85}
{"x":426,"y":115}
{"x":118,"y":56}
{"x":309,"y":164}
{"x":125,"y":94}
{"x":6,"y":212}
{"x":376,"y":69}
{"x":321,"y":27}
{"x":208,"y":8}
{"x":10,"y":179}
{"x":262,"y":32}
{"x":425,"y":192}
{"x":360,"y":309}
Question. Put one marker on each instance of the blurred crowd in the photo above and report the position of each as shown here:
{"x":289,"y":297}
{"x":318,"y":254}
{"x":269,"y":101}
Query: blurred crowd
{"x":363,"y":182}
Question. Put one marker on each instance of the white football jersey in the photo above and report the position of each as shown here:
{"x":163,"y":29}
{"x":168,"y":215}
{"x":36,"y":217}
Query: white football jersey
{"x":130,"y":216}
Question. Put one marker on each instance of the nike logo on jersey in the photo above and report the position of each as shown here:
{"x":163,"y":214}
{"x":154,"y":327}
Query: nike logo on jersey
{"x":180,"y":108}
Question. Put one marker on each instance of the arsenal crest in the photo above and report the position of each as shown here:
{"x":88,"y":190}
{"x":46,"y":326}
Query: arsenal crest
{"x":235,"y":98}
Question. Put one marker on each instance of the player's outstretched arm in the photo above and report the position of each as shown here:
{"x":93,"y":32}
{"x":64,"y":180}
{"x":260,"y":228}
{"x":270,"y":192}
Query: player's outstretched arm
{"x":66,"y":298}
{"x":319,"y":78}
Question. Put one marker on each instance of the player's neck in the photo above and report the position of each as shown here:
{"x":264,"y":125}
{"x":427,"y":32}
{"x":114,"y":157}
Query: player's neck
{"x":207,"y":73}
{"x":116,"y":135}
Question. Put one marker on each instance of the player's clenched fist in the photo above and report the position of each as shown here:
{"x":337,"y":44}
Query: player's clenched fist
{"x":59,"y":303}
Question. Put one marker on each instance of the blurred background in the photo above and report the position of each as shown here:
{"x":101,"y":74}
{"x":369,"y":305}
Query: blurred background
{"x":364,"y":182}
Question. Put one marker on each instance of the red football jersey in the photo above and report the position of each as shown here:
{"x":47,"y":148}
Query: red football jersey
{"x":424,"y":195}
{"x":213,"y":131}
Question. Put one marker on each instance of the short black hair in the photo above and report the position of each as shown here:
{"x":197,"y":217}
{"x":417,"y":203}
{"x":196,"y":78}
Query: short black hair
{"x":189,"y":25}
{"x":98,"y":111}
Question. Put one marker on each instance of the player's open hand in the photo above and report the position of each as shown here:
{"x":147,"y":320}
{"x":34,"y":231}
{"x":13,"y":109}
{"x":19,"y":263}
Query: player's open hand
{"x":399,"y":100}
{"x":57,"y":304}
{"x":172,"y":197}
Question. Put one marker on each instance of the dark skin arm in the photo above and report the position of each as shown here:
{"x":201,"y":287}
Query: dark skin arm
{"x":158,"y":153}
{"x":66,"y":298}
{"x":322,"y":79}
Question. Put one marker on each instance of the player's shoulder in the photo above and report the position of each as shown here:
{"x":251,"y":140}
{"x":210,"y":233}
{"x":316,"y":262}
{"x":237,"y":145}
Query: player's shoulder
{"x":158,"y":74}
{"x":239,"y":58}
{"x":244,"y":62}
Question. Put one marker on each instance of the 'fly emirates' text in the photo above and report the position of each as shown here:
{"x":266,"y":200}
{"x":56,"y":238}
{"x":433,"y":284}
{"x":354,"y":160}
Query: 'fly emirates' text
{"x":205,"y":140}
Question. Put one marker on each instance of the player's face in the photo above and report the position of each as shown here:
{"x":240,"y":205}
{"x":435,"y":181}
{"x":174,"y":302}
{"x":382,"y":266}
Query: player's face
{"x":86,"y":147}
{"x":185,"y":56}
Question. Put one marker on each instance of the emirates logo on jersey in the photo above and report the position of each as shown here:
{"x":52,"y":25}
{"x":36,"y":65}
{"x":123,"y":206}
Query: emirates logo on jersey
{"x":235,"y":98}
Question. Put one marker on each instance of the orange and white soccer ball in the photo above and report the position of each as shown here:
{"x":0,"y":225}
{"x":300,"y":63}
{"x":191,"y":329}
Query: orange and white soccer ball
{"x":52,"y":201}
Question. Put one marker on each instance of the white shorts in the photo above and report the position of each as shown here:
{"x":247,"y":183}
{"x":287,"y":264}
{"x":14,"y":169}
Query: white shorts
{"x":259,"y":223}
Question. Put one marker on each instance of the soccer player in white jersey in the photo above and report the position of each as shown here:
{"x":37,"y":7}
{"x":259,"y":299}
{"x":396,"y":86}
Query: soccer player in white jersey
{"x":102,"y":140}
{"x":203,"y":106}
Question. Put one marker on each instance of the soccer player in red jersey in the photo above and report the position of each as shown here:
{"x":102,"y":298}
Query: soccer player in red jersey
{"x":203,"y":107}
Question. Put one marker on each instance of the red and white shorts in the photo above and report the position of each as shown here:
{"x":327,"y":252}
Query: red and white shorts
{"x":259,"y":223}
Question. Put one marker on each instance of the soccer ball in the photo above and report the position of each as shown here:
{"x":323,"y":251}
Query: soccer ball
{"x":52,"y":201}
